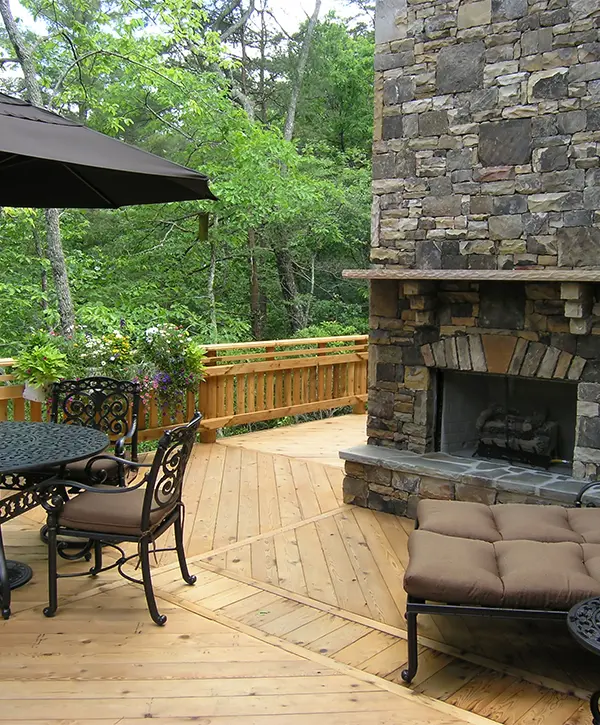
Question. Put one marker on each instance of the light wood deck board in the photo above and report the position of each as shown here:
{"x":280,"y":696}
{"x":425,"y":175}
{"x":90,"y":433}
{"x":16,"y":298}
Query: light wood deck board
{"x":194,"y":668}
{"x":287,"y":561}
{"x":319,"y":440}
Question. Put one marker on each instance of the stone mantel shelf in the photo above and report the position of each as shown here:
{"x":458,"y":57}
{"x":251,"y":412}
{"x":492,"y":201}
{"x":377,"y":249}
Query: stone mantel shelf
{"x":477,"y":275}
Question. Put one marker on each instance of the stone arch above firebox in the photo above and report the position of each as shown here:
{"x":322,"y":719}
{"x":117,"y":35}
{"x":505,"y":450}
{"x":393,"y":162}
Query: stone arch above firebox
{"x":503,"y":355}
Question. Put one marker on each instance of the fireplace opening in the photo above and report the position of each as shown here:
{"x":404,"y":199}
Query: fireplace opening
{"x":524,"y":421}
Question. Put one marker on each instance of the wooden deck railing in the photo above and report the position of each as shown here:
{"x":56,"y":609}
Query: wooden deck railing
{"x":245,"y":383}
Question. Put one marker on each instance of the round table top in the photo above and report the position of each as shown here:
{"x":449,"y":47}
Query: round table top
{"x":24,"y":446}
{"x":583,"y":622}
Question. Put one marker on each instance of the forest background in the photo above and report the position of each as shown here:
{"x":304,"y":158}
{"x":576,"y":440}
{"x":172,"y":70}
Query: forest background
{"x":282,"y":125}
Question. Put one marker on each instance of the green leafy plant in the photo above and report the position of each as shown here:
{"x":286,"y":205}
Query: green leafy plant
{"x":176,"y":362}
{"x":40,"y":364}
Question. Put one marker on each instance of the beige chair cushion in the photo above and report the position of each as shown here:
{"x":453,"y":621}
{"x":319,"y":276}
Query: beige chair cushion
{"x":77,"y":472}
{"x":117,"y":513}
{"x":507,"y":555}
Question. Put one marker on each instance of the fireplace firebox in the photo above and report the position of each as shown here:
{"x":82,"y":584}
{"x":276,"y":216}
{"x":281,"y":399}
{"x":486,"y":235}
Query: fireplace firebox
{"x":502,"y":417}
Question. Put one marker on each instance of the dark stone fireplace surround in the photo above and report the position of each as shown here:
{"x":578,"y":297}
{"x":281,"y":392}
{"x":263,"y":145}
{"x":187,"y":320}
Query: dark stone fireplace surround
{"x":399,"y":465}
{"x":486,"y":161}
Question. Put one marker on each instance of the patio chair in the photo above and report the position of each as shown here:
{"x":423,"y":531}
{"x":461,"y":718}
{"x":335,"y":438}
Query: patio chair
{"x":109,"y":516}
{"x":106,"y":404}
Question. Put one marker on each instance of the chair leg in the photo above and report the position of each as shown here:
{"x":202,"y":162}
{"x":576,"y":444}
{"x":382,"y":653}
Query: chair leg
{"x":97,"y":568}
{"x":50,"y":610}
{"x":185,"y":573}
{"x":4,"y":581}
{"x":413,"y":652}
{"x":157,"y":617}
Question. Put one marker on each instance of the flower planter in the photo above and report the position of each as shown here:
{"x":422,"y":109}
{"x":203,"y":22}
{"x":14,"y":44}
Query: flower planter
{"x":35,"y":393}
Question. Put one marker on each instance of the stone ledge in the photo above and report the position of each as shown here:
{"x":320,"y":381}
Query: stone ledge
{"x":476,"y":275}
{"x":503,"y":478}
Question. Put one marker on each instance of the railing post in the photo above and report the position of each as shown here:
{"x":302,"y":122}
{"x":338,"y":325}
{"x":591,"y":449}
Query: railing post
{"x":362,"y":384}
{"x":208,"y":435}
{"x":359,"y":408}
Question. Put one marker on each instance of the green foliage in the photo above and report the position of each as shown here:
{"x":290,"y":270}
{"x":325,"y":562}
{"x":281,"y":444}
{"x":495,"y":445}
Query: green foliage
{"x":40,"y":363}
{"x":337,"y":106}
{"x":156,"y":76}
{"x":327,"y":329}
{"x":175,"y":360}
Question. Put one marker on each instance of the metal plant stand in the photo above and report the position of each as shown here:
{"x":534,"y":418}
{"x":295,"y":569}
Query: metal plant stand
{"x":583,"y":622}
{"x":26,"y":450}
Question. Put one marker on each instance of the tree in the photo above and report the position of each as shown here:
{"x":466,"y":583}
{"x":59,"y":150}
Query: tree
{"x":337,"y":104}
{"x":54,"y":247}
{"x":298,"y":77}
{"x":157,"y":76}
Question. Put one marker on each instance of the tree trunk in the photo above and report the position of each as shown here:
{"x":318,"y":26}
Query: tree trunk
{"x":262,"y":95}
{"x":289,"y":289}
{"x":283,"y":256}
{"x":39,"y":250}
{"x":56,"y":256}
{"x":290,"y":121}
{"x":258,"y":303}
{"x":211,"y":289}
{"x":54,"y":243}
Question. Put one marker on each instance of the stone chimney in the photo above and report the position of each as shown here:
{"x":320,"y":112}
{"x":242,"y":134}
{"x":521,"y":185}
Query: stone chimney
{"x":486,"y":135}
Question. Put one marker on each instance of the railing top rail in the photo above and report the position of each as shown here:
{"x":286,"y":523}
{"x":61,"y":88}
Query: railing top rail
{"x":285,"y":343}
{"x":6,"y":362}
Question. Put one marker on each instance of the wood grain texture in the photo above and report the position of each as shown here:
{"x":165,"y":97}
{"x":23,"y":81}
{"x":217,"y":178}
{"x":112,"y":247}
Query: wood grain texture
{"x":296,"y":617}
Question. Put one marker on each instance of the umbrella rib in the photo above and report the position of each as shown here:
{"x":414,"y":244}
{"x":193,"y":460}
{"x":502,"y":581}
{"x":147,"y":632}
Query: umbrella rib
{"x":9,"y":158}
{"x":90,"y":185}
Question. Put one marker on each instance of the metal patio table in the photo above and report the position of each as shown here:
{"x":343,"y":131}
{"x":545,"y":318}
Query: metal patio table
{"x":26,"y":449}
{"x":583,"y":622}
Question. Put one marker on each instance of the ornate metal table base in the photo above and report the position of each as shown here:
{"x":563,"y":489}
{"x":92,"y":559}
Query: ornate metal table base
{"x":18,"y":573}
{"x":584,"y":624}
{"x":22,"y":500}
{"x":29,"y":452}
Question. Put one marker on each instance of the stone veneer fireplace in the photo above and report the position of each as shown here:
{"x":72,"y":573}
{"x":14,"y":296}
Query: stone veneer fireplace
{"x":485,"y":249}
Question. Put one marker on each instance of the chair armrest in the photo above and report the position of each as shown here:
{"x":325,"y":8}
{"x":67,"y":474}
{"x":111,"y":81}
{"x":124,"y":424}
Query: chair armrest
{"x":51,"y":483}
{"x":101,"y":475}
{"x":583,"y":490}
{"x":120,"y":444}
{"x":117,"y":459}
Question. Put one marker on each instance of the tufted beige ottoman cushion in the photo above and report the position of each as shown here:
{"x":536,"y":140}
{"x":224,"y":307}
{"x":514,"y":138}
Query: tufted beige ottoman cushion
{"x":507,"y":555}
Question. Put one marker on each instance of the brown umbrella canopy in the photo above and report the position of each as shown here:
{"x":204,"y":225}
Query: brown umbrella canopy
{"x":49,"y":161}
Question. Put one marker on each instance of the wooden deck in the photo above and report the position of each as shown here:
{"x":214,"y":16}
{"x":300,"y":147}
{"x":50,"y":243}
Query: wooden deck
{"x":296,"y":616}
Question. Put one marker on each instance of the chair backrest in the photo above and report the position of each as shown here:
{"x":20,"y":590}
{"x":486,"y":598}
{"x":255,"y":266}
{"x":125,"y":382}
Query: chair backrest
{"x":164,"y":483}
{"x":103,"y":403}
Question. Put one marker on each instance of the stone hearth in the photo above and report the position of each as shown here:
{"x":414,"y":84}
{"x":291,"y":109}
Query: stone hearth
{"x":486,"y":234}
{"x":394,"y":481}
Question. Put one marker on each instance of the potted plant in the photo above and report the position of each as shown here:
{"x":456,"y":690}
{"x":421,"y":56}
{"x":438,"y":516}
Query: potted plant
{"x":39,"y":364}
{"x":176,"y":363}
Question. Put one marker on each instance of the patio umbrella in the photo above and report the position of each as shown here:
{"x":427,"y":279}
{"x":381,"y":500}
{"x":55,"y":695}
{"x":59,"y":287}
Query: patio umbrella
{"x":48,"y":161}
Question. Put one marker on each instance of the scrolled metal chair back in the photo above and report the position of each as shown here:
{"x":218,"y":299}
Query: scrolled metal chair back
{"x":165,"y":481}
{"x":103,"y":403}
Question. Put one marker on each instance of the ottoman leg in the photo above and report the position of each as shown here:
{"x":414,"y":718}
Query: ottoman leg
{"x":594,"y":708}
{"x":413,"y":654}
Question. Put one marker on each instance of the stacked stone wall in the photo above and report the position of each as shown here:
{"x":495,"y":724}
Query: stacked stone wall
{"x":487,"y":134}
